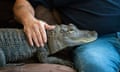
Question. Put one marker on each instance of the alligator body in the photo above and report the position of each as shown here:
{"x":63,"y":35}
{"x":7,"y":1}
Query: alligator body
{"x":14,"y":45}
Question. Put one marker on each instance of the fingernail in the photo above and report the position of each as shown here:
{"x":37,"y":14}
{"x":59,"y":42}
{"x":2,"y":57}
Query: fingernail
{"x":31,"y":44}
{"x":42,"y":45}
{"x":38,"y":45}
{"x":45,"y":41}
{"x":54,"y":26}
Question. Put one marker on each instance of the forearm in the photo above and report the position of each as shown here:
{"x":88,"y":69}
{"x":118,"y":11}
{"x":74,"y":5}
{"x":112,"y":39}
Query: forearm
{"x":23,"y":11}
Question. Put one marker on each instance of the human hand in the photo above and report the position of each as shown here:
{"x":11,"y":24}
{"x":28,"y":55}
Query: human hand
{"x":35,"y":31}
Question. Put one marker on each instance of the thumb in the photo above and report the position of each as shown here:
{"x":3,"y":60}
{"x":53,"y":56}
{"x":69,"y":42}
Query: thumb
{"x":49,"y":27}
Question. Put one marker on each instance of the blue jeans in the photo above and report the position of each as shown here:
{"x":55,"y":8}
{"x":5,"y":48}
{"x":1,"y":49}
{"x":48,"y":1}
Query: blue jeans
{"x":102,"y":55}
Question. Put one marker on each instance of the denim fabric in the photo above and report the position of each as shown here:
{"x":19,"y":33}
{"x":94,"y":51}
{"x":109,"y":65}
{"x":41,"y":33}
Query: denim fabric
{"x":102,"y":55}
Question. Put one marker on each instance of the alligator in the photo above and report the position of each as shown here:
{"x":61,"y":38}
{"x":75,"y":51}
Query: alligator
{"x":15,"y":47}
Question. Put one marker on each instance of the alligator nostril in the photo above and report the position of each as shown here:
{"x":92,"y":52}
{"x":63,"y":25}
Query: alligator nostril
{"x":92,"y":33}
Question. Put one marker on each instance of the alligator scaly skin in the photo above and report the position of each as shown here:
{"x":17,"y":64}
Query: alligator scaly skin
{"x":14,"y":45}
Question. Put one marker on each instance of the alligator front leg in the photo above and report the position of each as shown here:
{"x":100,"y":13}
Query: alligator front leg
{"x":42,"y":55}
{"x":2,"y":59}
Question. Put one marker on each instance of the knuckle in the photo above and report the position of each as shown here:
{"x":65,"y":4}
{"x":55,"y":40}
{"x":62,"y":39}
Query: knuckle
{"x":34,"y":26}
{"x":25,"y":30}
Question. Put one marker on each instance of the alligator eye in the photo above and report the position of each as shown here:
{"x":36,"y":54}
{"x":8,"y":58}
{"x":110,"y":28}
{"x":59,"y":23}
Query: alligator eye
{"x":71,"y":31}
{"x":52,"y":32}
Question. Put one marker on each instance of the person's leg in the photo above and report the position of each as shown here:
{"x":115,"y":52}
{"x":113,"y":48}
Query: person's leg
{"x":98,"y":56}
